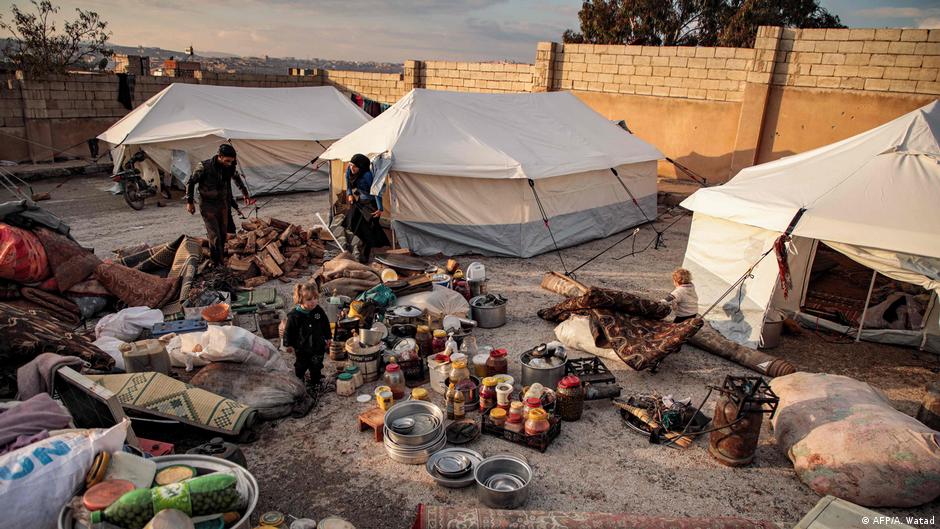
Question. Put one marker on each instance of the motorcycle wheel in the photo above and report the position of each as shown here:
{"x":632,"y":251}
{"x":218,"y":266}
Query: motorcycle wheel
{"x":132,"y":194}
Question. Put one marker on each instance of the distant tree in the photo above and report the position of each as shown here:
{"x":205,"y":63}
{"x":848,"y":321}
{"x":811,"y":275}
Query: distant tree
{"x":692,"y":22}
{"x":36,"y":46}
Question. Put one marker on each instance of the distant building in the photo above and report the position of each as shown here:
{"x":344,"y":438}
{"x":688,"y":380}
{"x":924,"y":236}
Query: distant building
{"x":133,"y":64}
{"x":174,"y":68}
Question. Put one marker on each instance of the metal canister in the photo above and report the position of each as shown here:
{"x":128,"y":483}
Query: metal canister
{"x":739,"y":413}
{"x":570,"y":402}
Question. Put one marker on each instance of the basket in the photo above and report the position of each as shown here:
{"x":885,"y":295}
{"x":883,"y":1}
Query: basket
{"x":539,"y":442}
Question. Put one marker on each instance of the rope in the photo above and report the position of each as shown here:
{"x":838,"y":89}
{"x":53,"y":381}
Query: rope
{"x":301,"y":168}
{"x":545,"y":220}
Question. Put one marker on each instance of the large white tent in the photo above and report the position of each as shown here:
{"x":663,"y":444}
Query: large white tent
{"x":466,"y":169}
{"x":276,"y":131}
{"x":873,"y":198}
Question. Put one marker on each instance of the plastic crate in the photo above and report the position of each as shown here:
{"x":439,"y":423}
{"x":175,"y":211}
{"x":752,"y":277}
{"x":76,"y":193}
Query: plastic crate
{"x":178,"y":327}
{"x":590,"y":370}
{"x":540,"y":442}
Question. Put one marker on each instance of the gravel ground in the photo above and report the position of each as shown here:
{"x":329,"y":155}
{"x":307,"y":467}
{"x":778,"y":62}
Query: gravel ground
{"x":321,"y":465}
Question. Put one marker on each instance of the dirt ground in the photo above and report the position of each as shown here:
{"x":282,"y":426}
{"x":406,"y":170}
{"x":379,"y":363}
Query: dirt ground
{"x":321,"y":465}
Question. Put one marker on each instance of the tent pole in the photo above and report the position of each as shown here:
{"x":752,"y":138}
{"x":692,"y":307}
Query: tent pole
{"x":861,"y":324}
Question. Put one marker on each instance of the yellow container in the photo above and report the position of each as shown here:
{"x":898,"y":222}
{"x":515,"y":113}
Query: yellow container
{"x":383,"y":395}
{"x":419,"y":394}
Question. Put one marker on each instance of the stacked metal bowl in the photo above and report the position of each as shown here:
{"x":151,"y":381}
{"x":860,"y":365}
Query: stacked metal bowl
{"x":453,"y":467}
{"x":414,"y":430}
{"x":503,"y":481}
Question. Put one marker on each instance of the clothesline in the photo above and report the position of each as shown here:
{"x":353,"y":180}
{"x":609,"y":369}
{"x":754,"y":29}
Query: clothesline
{"x":371,"y":107}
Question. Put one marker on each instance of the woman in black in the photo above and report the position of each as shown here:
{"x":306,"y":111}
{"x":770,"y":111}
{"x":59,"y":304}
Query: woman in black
{"x":366,"y":209}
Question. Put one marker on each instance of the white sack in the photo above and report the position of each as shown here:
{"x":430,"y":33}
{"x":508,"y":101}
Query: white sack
{"x":127,"y":324}
{"x":112,"y":346}
{"x":439,"y":302}
{"x":224,"y":344}
{"x":575,"y":333}
{"x":37,"y":480}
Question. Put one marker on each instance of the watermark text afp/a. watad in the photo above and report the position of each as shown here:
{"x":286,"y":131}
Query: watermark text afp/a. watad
{"x":888,"y":521}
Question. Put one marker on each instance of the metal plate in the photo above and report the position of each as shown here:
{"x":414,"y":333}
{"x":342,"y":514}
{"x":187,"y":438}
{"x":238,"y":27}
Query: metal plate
{"x":453,"y":465}
{"x":504,"y":482}
{"x":454,"y":483}
{"x":403,"y":262}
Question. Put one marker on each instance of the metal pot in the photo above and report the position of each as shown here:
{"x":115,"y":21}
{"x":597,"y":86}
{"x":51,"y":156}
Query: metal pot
{"x":547,"y":376}
{"x":203,"y":465}
{"x":506,"y":464}
{"x":371,"y":337}
{"x":489,"y":311}
{"x":407,"y":409}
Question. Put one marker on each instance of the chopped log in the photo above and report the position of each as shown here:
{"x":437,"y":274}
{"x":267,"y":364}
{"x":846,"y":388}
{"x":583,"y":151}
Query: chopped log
{"x":251,"y":243}
{"x":315,"y":252}
{"x":267,"y":239}
{"x":290,"y":263}
{"x":288,"y":231}
{"x":256,"y":281}
{"x":284,"y":279}
{"x":275,"y":253}
{"x":278,"y":224}
{"x":267,"y":265}
{"x":240,"y":265}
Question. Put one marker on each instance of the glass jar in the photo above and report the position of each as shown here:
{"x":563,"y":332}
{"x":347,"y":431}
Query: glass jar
{"x":459,"y":371}
{"x":497,"y":364}
{"x":488,"y":394}
{"x":537,"y":423}
{"x":498,"y":417}
{"x":479,"y":364}
{"x":570,"y":398}
{"x":469,"y":346}
{"x":514,"y":424}
{"x":419,"y":394}
{"x":503,"y":394}
{"x":532,"y":403}
{"x":439,"y":341}
{"x":425,"y":341}
{"x":517,"y":409}
{"x":395,"y":380}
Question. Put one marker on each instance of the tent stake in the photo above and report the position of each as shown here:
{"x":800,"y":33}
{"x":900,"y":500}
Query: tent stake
{"x":861,"y":323}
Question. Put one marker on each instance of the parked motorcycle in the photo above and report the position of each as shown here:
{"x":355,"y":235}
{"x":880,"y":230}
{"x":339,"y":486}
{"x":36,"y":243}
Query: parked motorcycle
{"x":136,"y":189}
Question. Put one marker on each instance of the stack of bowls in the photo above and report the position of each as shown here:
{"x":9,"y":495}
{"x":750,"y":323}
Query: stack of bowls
{"x":503,"y":481}
{"x":414,"y":430}
{"x":453,"y":467}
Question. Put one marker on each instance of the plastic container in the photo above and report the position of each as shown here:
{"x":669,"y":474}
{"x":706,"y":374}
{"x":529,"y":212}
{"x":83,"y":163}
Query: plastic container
{"x":424,"y":340}
{"x":439,"y":341}
{"x":459,"y":371}
{"x":145,"y":355}
{"x":395,"y":380}
{"x":353,"y":370}
{"x":419,"y":394}
{"x":475,"y":272}
{"x":217,"y":447}
{"x":503,"y":395}
{"x":498,"y":416}
{"x":479,"y":365}
{"x":537,"y":423}
{"x":496,"y":363}
{"x":570,"y":401}
{"x":439,"y":372}
{"x":488,"y":394}
{"x":132,"y":468}
{"x":345,"y":387}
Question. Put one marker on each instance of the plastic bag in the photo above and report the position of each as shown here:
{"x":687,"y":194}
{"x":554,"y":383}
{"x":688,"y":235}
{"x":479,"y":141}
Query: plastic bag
{"x":37,"y":480}
{"x":112,"y":346}
{"x":845,"y":439}
{"x":273,"y":393}
{"x":439,"y":302}
{"x":575,"y":333}
{"x":127,"y":324}
{"x":224,"y":344}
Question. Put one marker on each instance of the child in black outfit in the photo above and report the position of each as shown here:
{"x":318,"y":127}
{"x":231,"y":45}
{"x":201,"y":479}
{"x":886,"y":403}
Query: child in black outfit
{"x":306,"y":333}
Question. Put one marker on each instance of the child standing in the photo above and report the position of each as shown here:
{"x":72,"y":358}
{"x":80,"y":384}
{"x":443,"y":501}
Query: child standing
{"x":306,"y":333}
{"x":684,"y":299}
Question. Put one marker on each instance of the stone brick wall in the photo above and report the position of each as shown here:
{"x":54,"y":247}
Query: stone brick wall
{"x":383,"y":87}
{"x":475,"y":76}
{"x":715,"y":74}
{"x":876,"y":60}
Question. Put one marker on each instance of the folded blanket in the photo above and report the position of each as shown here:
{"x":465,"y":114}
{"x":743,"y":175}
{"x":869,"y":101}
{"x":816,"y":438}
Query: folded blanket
{"x":37,"y":377}
{"x":136,"y":288}
{"x":29,"y":420}
{"x":69,"y":262}
{"x":59,"y":307}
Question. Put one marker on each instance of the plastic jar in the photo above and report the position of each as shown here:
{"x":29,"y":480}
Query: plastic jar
{"x":488,"y":394}
{"x":353,"y":370}
{"x":537,"y":423}
{"x":497,"y":364}
{"x":345,"y":385}
{"x":459,"y":371}
{"x":479,"y":365}
{"x":419,"y":394}
{"x":503,"y":395}
{"x":514,"y":424}
{"x":439,"y":341}
{"x":517,"y":409}
{"x":424,"y":340}
{"x":532,"y":403}
{"x":570,"y":401}
{"x":498,"y":417}
{"x":395,"y":380}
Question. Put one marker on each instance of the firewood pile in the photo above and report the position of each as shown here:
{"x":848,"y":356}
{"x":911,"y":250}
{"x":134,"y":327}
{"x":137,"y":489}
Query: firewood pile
{"x":265,"y":249}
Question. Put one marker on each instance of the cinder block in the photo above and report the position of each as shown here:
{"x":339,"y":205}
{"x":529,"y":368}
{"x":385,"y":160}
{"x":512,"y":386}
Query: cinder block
{"x":758,"y":77}
{"x":644,"y":71}
{"x":875,"y":46}
{"x":705,"y":52}
{"x":737,"y":75}
{"x":608,"y":58}
{"x":678,"y":92}
{"x":661,"y":71}
{"x":697,"y":93}
{"x":804,"y":45}
{"x":833,"y":58}
{"x":698,"y":73}
{"x":927,"y":87}
{"x":804,"y":80}
{"x":851,"y":46}
{"x":882,"y":60}
{"x":924,"y":74}
{"x":690,"y":83}
{"x":837,"y":34}
{"x":852,"y":83}
{"x":808,"y":58}
{"x":650,"y":51}
{"x":914,"y":35}
{"x":927,"y":48}
{"x":871,"y":72}
{"x":672,"y":81}
{"x":902,"y":48}
{"x":861,"y":34}
{"x":827,"y":46}
{"x":605,"y":78}
{"x":897,"y":73}
{"x":633,"y":50}
{"x":659,"y":61}
{"x":823,"y":69}
{"x":878,"y":85}
{"x":717,"y":74}
{"x":641,"y":60}
{"x":933,"y":35}
{"x":685,"y":51}
{"x":858,"y":59}
{"x":889,"y":34}
{"x":626,"y":70}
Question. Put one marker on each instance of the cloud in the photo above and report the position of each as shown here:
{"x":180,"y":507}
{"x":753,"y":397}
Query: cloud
{"x":892,"y":12}
{"x":929,"y":23}
{"x":373,"y":7}
{"x":513,"y":31}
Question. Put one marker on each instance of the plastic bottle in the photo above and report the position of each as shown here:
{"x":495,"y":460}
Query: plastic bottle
{"x":450,"y":347}
{"x":449,"y":400}
{"x":458,"y":405}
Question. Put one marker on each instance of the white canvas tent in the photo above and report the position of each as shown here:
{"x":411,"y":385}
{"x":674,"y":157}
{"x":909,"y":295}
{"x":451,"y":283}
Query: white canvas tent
{"x":874,"y":198}
{"x":462,"y":165}
{"x":275,"y":131}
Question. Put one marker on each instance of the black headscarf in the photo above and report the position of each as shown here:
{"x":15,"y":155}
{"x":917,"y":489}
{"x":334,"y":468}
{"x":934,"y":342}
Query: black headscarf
{"x":362,"y":163}
{"x":226,"y":149}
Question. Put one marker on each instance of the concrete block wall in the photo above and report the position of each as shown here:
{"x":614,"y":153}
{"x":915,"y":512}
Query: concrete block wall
{"x":874,"y":60}
{"x":383,"y":87}
{"x":714,"y":74}
{"x":475,"y":76}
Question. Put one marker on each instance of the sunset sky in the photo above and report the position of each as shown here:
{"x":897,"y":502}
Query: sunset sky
{"x":391,"y":30}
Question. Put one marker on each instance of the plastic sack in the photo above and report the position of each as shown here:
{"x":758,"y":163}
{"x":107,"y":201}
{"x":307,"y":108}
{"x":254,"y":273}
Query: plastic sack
{"x":37,"y":480}
{"x":439,"y":302}
{"x":112,"y":346}
{"x":22,"y":256}
{"x":845,"y":439}
{"x":127,"y":324}
{"x":575,"y":333}
{"x":273,"y":393}
{"x":226,"y":343}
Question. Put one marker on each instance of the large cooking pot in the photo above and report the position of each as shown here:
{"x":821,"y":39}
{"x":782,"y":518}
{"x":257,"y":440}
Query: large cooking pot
{"x":547,"y":376}
{"x":503,"y":481}
{"x":489,"y":310}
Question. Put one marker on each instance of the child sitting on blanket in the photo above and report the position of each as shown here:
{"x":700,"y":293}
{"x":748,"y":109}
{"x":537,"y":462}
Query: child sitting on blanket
{"x":306,"y":333}
{"x":684,"y":299}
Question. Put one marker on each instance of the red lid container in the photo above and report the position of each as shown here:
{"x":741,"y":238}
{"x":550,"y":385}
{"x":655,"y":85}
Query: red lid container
{"x":570,"y":381}
{"x":498,"y":353}
{"x":392,"y":368}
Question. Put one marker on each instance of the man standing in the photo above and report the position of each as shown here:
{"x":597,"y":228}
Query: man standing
{"x":214,"y":178}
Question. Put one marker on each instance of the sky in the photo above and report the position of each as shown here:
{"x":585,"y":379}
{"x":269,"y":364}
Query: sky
{"x":391,"y":30}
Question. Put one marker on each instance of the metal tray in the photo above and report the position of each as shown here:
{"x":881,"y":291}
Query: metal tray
{"x":454,"y":483}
